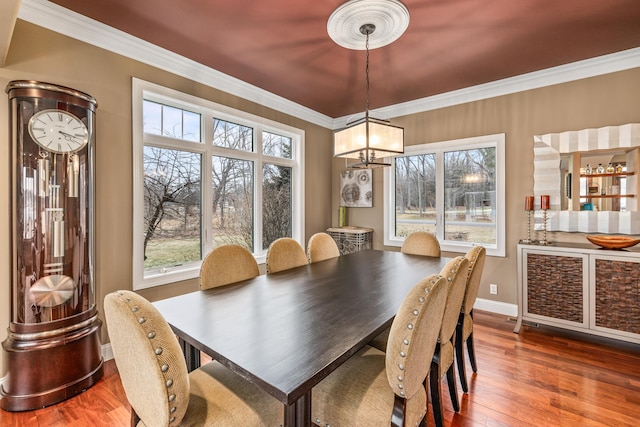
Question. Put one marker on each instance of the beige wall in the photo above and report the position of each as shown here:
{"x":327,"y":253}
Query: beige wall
{"x":38,"y":54}
{"x":607,"y":100}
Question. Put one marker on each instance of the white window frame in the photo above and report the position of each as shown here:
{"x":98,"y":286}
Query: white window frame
{"x":439,"y":148}
{"x":143,"y":90}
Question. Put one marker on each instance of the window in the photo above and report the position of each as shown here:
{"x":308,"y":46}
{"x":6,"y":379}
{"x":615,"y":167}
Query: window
{"x":207,"y":175}
{"x":454,"y":189}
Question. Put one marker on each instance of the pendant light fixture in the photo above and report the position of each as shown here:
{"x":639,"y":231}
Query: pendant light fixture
{"x":368,"y":140}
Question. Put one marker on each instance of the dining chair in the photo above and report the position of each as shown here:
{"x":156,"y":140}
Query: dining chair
{"x":374,"y":388}
{"x":455,"y":271}
{"x":227,"y":264}
{"x":321,"y":246}
{"x":421,"y":243}
{"x":464,"y":329}
{"x":285,"y":253}
{"x":154,"y":375}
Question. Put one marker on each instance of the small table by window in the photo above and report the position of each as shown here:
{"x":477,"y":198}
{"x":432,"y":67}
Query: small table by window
{"x":351,"y":239}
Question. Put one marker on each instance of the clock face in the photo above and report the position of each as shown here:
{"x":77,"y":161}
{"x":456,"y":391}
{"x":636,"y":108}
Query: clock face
{"x":58,"y":131}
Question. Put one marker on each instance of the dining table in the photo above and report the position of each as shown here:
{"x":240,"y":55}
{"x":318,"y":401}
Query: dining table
{"x":287,"y":331}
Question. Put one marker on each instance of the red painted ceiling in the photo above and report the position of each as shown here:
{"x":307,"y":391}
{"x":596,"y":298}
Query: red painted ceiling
{"x":282,"y":46}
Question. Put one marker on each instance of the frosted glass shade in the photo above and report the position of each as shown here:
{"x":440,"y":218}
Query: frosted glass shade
{"x":369,"y":140}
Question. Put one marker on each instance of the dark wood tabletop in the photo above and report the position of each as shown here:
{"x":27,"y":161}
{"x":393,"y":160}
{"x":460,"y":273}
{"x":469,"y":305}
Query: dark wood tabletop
{"x":286,"y":331}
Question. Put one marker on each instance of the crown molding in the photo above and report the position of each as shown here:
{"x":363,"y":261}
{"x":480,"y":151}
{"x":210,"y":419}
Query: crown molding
{"x":64,"y":21}
{"x":578,"y":70}
{"x":56,"y":18}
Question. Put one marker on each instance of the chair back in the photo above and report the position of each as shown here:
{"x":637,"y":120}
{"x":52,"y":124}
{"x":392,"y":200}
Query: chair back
{"x":285,"y":253}
{"x":227,"y":264}
{"x":321,"y":246}
{"x":413,"y":336}
{"x":149,"y":359}
{"x":455,"y":272}
{"x":421,"y":243}
{"x":476,"y":257}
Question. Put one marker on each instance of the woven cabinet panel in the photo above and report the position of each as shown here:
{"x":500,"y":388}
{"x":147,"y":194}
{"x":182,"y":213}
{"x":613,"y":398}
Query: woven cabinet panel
{"x":555,"y":286}
{"x":618,"y":295}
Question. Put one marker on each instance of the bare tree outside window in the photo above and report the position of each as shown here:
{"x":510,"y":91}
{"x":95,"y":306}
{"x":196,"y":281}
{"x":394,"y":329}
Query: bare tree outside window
{"x":469,"y":194}
{"x":171,"y":207}
{"x":232,"y":202}
{"x":276,"y":203}
{"x":415,"y":194}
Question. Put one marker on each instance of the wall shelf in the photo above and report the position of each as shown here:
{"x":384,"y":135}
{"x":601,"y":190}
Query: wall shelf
{"x":599,"y":175}
{"x":606,"y":196}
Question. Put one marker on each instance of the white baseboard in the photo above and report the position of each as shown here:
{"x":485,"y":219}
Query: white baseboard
{"x":107,"y":353}
{"x":496,"y":307}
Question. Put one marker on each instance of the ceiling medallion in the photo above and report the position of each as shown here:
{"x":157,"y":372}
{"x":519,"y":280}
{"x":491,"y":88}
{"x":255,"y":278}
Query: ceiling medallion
{"x":390,"y":18}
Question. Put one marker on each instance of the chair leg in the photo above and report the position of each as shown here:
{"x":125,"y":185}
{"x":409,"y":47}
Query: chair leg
{"x":453,"y":390}
{"x":436,"y":393}
{"x":460,"y":356}
{"x":472,"y":353}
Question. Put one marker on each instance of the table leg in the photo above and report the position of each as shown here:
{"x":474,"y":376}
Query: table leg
{"x":191,"y":355}
{"x":298,"y":414}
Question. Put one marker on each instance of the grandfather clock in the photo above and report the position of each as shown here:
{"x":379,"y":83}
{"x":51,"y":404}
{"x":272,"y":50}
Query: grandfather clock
{"x":53,"y":344}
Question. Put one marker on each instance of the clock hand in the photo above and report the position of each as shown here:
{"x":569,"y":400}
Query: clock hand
{"x":68,"y":136}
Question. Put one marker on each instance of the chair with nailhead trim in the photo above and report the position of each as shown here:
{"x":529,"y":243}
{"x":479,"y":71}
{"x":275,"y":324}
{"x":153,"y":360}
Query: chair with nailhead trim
{"x":227,"y":264}
{"x":154,"y":375}
{"x":285,"y":253}
{"x":416,"y":243}
{"x":455,"y":272}
{"x":464,"y":329}
{"x":374,"y":388}
{"x":421,"y":243}
{"x":321,"y":246}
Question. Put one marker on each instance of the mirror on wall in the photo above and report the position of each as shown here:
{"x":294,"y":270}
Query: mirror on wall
{"x":592,"y":178}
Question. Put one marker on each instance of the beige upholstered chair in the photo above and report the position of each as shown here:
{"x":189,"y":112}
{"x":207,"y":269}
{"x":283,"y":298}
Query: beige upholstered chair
{"x":285,"y":253}
{"x":374,"y":388}
{"x":421,"y":243}
{"x":155,"y":379}
{"x":455,"y":272}
{"x":464,"y":329}
{"x":321,"y":246}
{"x":227,"y":264}
{"x":416,"y":243}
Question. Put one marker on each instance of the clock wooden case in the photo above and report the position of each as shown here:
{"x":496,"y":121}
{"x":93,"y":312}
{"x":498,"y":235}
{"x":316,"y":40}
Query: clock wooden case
{"x":53,"y":344}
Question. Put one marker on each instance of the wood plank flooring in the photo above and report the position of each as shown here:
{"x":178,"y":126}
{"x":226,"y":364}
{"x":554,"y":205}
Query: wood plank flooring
{"x":540,"y":377}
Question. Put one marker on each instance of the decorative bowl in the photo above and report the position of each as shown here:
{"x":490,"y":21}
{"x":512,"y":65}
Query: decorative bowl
{"x":613,"y":242}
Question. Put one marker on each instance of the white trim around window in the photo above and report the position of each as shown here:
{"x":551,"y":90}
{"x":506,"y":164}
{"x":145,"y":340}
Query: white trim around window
{"x":141,"y":91}
{"x":438,"y":149}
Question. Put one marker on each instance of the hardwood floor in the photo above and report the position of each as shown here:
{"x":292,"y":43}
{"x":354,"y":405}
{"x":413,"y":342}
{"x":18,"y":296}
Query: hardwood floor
{"x":540,"y":377}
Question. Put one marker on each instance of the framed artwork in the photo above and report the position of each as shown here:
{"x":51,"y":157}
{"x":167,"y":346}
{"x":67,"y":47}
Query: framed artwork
{"x":356,"y":188}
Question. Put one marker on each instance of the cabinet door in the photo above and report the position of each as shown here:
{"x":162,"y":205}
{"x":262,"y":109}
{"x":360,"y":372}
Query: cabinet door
{"x":615,"y":295}
{"x":555,"y":288}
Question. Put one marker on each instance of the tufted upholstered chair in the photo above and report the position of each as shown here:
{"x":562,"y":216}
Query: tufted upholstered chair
{"x":227,"y":264}
{"x":416,"y":243}
{"x":321,"y":246}
{"x":374,"y":388}
{"x":155,"y":379}
{"x":455,"y":272}
{"x":464,"y":329}
{"x":285,"y":253}
{"x":421,"y":243}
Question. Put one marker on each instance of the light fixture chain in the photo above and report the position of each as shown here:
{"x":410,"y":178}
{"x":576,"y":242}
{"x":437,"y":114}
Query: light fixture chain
{"x":367,"y":74}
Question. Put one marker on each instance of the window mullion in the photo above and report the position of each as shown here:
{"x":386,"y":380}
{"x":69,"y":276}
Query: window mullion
{"x":207,"y":185}
{"x":440,"y":208}
{"x":257,"y":193}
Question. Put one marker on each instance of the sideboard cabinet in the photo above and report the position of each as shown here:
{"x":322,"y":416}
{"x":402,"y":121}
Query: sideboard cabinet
{"x":580,"y":287}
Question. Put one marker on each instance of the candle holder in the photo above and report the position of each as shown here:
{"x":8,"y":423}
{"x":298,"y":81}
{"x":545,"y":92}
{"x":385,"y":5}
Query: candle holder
{"x":528,"y":207}
{"x":528,"y":239}
{"x":544,"y":228}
